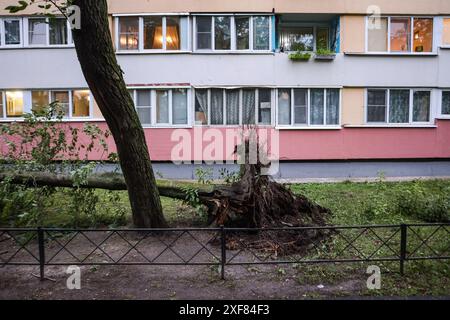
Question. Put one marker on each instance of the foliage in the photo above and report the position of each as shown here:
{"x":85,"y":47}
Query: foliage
{"x":229,"y":177}
{"x":204,"y":176}
{"x":325,"y":52}
{"x":300,"y":56}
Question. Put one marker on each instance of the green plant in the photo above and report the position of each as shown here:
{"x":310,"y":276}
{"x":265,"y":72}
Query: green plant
{"x":229,"y":177}
{"x":324,"y":52}
{"x":300,"y":56}
{"x":204,"y":176}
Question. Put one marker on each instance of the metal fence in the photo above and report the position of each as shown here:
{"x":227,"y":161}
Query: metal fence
{"x":222,"y":246}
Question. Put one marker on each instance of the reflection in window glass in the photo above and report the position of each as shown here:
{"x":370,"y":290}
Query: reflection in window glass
{"x":37,"y":31}
{"x":14,"y":103}
{"x":322,"y":41}
{"x":399,"y":106}
{"x":248,"y":106}
{"x":332,"y":106}
{"x":12,"y":31}
{"x":39,"y":101}
{"x":261,"y":33}
{"x":222,"y":33}
{"x":179,"y":106}
{"x":423,"y":35}
{"x":400,"y":34}
{"x":284,"y":106}
{"x":216,"y":106}
{"x":297,"y":39}
{"x":173,"y":33}
{"x":129,"y":33}
{"x":58,"y":31}
{"x":201,"y":106}
{"x":376,"y":106}
{"x":232,"y":98}
{"x":143,"y":106}
{"x":446,"y":102}
{"x":377,"y":35}
{"x":203,"y":32}
{"x":62,"y":99}
{"x":162,"y":106}
{"x":153,"y":33}
{"x":264,"y":106}
{"x":421,"y":106}
{"x":300,"y":106}
{"x":242,"y":33}
{"x":317,"y":104}
{"x":80,"y":103}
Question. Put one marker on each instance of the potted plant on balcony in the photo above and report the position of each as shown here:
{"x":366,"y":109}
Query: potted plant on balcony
{"x":325,"y":55}
{"x":299,"y":54}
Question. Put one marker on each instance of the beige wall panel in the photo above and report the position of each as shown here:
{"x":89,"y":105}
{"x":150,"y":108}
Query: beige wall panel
{"x":434,"y":7}
{"x":97,"y":114}
{"x":446,"y":32}
{"x":353,"y":33}
{"x":353,"y":106}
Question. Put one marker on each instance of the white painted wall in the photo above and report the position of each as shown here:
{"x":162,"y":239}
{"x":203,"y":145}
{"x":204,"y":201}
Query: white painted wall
{"x":59,"y":68}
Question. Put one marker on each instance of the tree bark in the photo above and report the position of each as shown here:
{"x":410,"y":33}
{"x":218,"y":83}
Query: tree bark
{"x":104,"y":76}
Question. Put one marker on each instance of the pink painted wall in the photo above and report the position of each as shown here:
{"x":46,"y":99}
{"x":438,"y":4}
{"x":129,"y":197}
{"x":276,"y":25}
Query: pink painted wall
{"x":347,"y":143}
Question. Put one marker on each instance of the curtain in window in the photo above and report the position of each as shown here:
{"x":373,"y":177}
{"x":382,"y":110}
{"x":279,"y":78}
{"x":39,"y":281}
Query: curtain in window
{"x":153,"y":35}
{"x":216,"y":106}
{"x":37,"y":31}
{"x":284,"y":106}
{"x":248,"y":106}
{"x":300,"y":106}
{"x":446,"y":102}
{"x":400,"y":34}
{"x":129,"y":33}
{"x":399,"y":106}
{"x":232,"y":106}
{"x":173,"y":33}
{"x":179,"y":106}
{"x":423,"y":34}
{"x":332,"y":106}
{"x":58,"y":31}
{"x":317,"y":103}
{"x":201,"y":106}
{"x":421,"y":107}
{"x":162,"y":106}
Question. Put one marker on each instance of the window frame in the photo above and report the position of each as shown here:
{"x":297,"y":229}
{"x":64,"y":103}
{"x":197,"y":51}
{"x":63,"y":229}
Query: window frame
{"x":441,"y":114}
{"x":3,"y":34}
{"x":141,"y":48}
{"x":315,"y":27}
{"x":26,"y":34}
{"x":388,"y":105}
{"x":411,"y":51}
{"x":308,"y":124}
{"x":233,"y":37}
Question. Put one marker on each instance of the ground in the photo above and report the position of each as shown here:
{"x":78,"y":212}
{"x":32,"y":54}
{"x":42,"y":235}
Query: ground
{"x":351,"y":203}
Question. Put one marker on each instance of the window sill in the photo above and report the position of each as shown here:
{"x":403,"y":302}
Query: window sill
{"x":168,"y":126}
{"x":20,"y":119}
{"x":391,"y":54}
{"x":233,"y":52}
{"x":443,"y":117}
{"x":125,"y":52}
{"x":308,"y":128}
{"x":446,"y":47}
{"x":38,"y":47}
{"x":393,"y":126}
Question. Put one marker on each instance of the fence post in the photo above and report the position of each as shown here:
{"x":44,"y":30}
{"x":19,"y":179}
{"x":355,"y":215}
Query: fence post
{"x":223,"y":246}
{"x":41,"y":252}
{"x":403,"y":241}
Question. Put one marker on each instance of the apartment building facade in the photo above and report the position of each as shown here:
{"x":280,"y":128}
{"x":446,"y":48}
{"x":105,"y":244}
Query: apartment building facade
{"x":383,"y":94}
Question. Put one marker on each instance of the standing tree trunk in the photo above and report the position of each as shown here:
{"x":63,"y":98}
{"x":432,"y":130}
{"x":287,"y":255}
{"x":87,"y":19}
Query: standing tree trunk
{"x":98,"y":61}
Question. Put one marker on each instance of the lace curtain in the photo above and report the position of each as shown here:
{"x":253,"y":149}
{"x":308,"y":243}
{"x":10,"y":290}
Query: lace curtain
{"x":58,"y":31}
{"x":332,"y":106}
{"x":201,"y":106}
{"x":399,"y":106}
{"x":284,"y":106}
{"x":317,"y":100}
{"x":421,"y":107}
{"x":232,"y":106}
{"x":216,"y":106}
{"x":248,"y":105}
{"x":446,"y":102}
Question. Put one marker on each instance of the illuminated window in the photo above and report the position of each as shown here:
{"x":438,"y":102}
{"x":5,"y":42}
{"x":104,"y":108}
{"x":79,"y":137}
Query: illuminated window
{"x":80,"y":103}
{"x":400,"y":34}
{"x":446,"y":32}
{"x":423,"y":35}
{"x":14,"y":103}
{"x":129,"y":33}
{"x":39,"y":101}
{"x":153,"y":32}
{"x":173,"y":33}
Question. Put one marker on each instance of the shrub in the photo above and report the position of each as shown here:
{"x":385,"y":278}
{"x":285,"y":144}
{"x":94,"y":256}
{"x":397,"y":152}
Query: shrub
{"x":300,"y":56}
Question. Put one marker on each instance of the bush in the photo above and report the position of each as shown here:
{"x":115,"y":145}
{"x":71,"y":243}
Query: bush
{"x":300,"y":56}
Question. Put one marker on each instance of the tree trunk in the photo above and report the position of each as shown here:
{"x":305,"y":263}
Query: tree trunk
{"x":104,"y":76}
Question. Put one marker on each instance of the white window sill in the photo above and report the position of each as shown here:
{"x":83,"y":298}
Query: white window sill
{"x":19,"y":119}
{"x":445,"y":47}
{"x":393,"y":54}
{"x":390,"y":126}
{"x":308,"y":128}
{"x":443,"y":117}
{"x":168,"y":126}
{"x":63,"y":46}
{"x":237,"y":52}
{"x":124,"y":52}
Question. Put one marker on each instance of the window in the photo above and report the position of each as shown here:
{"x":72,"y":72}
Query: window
{"x":445,"y":108}
{"x":153,"y":33}
{"x":264,"y":106}
{"x":261,"y":33}
{"x":242,"y":33}
{"x":322,"y":39}
{"x":398,"y":106}
{"x":222,"y":33}
{"x":58,"y":31}
{"x":14,"y":104}
{"x":217,"y":106}
{"x":129,"y":33}
{"x":173,"y":33}
{"x":310,"y":107}
{"x":39,"y":101}
{"x":201,"y":106}
{"x":400,"y":35}
{"x":143,"y":106}
{"x":81,"y":103}
{"x":446,"y":32}
{"x":61,"y":98}
{"x":162,"y":106}
{"x":179,"y":106}
{"x":37,"y":31}
{"x":232,"y":109}
{"x":12,"y":32}
{"x":248,"y":33}
{"x":248,"y":106}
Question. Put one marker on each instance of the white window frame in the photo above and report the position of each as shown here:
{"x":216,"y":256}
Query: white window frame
{"x":411,"y":51}
{"x":411,"y":107}
{"x":441,"y":114}
{"x":233,"y":45}
{"x":314,"y":26}
{"x":3,"y":35}
{"x":141,"y":48}
{"x":308,"y":123}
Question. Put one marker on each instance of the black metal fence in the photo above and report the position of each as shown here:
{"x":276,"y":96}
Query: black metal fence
{"x":221,"y":247}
